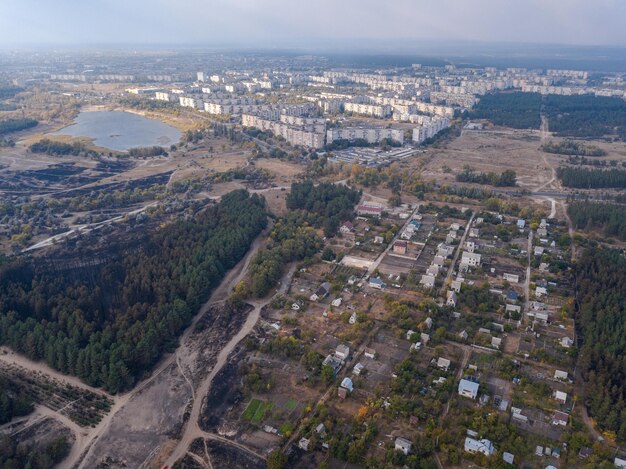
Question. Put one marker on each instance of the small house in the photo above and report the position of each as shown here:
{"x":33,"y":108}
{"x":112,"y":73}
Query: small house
{"x":428,"y":281}
{"x":400,"y":247}
{"x":443,"y":364}
{"x":566,"y":342}
{"x":376,"y":283}
{"x":508,"y":457}
{"x":353,"y":318}
{"x":512,"y":278}
{"x":358,"y":369}
{"x":321,"y":293}
{"x":452,"y":298}
{"x":342,"y":393}
{"x":560,"y":418}
{"x":346,"y":227}
{"x":468,"y":388}
{"x":463,"y":335}
{"x":304,"y":444}
{"x":483,"y":446}
{"x":471,"y":259}
{"x":342,"y":352}
{"x":455,"y":286}
{"x":558,"y":374}
{"x":370,"y":353}
{"x":560,"y":396}
{"x":404,"y":445}
{"x":347,"y":384}
{"x":379,"y":240}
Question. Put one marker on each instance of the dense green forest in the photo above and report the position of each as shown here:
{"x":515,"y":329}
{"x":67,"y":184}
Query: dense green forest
{"x":608,"y":218}
{"x":583,"y":178}
{"x":294,"y":237}
{"x":12,"y":402}
{"x":14,"y":125}
{"x":570,"y":147}
{"x":110,"y":324}
{"x":328,"y":205}
{"x":14,"y":455}
{"x":601,"y":283}
{"x":50,"y":147}
{"x":507,"y":178}
{"x":586,"y":116}
{"x":517,"y":110}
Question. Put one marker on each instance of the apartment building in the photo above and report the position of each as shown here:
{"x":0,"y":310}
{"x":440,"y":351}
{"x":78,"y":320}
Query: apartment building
{"x":375,"y":110}
{"x":306,"y":136}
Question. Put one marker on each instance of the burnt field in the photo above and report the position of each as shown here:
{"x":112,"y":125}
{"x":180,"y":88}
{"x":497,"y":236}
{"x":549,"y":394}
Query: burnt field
{"x":61,"y":176}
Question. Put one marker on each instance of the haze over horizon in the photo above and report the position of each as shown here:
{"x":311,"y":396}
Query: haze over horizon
{"x":284,"y":23}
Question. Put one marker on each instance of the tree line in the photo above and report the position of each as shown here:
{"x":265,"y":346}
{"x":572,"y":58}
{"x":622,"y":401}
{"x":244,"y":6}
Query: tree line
{"x":15,"y":125}
{"x":601,"y":283}
{"x":507,"y":178}
{"x":610,"y":219}
{"x":570,"y":147}
{"x":50,"y":147}
{"x":146,"y":152}
{"x":109,"y":324}
{"x":583,"y":178}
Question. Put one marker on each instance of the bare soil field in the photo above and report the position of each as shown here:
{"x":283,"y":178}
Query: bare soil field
{"x":283,"y":169}
{"x":492,"y":151}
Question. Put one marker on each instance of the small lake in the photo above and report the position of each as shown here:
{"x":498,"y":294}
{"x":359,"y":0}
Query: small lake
{"x":119,"y":130}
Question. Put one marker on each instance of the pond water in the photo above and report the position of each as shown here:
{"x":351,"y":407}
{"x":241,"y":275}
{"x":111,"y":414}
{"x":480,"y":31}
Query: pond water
{"x":119,"y":130}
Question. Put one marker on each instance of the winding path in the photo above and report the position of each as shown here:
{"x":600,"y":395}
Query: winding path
{"x":192,"y":428}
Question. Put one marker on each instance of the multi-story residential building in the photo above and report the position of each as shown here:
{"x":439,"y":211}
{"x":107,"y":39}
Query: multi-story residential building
{"x":374,"y":110}
{"x":188,"y":101}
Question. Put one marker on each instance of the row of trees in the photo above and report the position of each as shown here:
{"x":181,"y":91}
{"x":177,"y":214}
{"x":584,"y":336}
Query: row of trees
{"x":586,"y":116}
{"x":507,"y":178}
{"x":15,"y":125}
{"x":583,"y":178}
{"x":570,"y":147}
{"x":50,"y":147}
{"x":146,"y":152}
{"x":608,"y":218}
{"x":109,"y":324}
{"x":601,"y":283}
{"x":517,"y":110}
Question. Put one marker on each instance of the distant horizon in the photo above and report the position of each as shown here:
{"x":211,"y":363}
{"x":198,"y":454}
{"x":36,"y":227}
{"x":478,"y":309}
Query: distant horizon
{"x":362,"y":52}
{"x":276,"y":23}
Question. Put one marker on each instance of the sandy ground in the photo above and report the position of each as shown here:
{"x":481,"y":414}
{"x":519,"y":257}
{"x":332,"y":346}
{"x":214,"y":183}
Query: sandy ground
{"x":492,"y":151}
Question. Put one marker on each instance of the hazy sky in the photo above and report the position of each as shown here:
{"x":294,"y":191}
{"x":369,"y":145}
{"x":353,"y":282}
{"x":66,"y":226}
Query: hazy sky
{"x":273,"y":22}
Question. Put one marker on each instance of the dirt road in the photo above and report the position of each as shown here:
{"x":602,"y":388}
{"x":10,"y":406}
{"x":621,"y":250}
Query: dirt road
{"x":192,"y":428}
